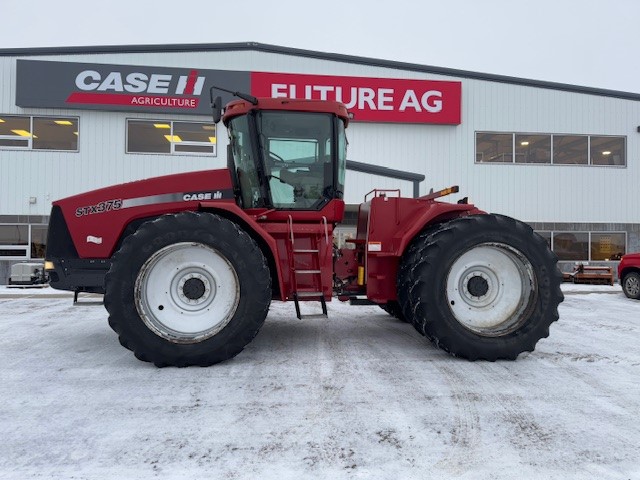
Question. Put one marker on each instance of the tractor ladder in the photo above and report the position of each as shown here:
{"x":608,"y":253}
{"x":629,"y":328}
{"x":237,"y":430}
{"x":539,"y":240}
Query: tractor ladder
{"x":306,"y":269}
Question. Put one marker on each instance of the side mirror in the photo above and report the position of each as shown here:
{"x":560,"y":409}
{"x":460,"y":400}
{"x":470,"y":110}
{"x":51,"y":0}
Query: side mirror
{"x":216,"y":105}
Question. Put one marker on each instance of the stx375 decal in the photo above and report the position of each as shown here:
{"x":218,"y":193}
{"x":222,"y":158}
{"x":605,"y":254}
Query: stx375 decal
{"x":117,"y":204}
{"x":101,"y":207}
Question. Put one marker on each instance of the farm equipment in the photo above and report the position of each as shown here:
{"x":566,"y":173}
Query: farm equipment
{"x":189,"y":263}
{"x":591,"y":275}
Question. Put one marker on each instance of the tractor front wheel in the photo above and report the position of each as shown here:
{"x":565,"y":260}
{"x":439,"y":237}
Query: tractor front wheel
{"x":187,"y":289}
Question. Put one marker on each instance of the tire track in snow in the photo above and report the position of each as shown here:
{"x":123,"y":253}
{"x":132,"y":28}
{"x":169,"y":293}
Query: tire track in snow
{"x":465,"y":431}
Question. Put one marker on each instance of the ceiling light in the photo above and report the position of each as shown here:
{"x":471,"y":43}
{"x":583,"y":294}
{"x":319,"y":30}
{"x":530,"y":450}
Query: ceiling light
{"x":63,"y":122}
{"x":162,"y":125}
{"x":212,"y":139}
{"x":173,"y":138}
{"x":22,"y":133}
{"x":524,"y":144}
{"x":606,"y":152}
{"x":208,"y":127}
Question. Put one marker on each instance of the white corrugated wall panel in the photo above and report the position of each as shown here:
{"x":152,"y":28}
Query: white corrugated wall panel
{"x":553,"y":193}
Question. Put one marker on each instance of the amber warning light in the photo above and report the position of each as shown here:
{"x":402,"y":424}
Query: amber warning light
{"x":441,"y":193}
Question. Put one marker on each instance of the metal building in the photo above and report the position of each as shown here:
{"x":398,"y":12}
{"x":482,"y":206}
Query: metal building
{"x":564,"y":158}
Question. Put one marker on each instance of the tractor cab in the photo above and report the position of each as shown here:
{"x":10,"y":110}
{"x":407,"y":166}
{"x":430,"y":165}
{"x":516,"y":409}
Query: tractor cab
{"x":286,"y":154}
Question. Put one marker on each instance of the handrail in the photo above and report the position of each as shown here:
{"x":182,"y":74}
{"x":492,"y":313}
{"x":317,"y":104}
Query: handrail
{"x":415,"y":178}
{"x":326,"y":229}
{"x":290,"y":222}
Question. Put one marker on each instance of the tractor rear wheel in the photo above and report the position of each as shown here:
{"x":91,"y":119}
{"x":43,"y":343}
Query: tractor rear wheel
{"x":187,"y":289}
{"x":404,"y":279}
{"x":393,"y":309}
{"x":484,"y":287}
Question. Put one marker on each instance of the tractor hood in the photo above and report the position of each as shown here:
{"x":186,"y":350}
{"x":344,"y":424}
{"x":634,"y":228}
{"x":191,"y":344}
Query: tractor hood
{"x":96,"y":219}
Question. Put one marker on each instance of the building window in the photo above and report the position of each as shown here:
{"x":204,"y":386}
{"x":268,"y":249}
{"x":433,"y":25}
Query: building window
{"x":533,"y":148}
{"x":587,"y":246}
{"x":571,"y":245}
{"x":22,"y":241}
{"x":607,"y":246}
{"x":39,"y":133}
{"x":171,"y":137}
{"x":607,"y":151}
{"x":14,"y":132}
{"x":38,"y":241}
{"x":548,"y":149}
{"x":14,"y":241}
{"x":494,"y":147}
{"x":570,"y":149}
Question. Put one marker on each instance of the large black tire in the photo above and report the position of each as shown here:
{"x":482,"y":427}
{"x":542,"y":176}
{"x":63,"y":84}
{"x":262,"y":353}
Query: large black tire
{"x":631,"y":285}
{"x":393,"y":309}
{"x":405,"y":280}
{"x":187,"y":289}
{"x":407,"y":262}
{"x":483,"y":287}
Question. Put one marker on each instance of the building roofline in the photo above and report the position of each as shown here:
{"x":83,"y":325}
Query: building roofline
{"x":337,"y":57}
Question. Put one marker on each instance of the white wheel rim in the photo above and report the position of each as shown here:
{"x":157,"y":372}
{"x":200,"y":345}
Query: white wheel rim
{"x":490,"y":289}
{"x":187,"y":292}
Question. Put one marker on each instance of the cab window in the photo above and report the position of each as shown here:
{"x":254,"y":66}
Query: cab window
{"x":298,"y":161}
{"x":244,"y":163}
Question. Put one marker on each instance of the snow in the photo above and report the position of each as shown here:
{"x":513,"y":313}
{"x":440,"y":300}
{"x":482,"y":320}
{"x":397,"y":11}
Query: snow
{"x":360,"y":395}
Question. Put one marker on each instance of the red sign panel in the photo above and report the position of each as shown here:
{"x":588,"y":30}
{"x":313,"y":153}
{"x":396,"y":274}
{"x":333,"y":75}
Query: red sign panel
{"x":370,"y":99}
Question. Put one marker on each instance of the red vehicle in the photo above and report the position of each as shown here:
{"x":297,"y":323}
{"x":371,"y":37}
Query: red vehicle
{"x":629,"y":274}
{"x":189,"y":263}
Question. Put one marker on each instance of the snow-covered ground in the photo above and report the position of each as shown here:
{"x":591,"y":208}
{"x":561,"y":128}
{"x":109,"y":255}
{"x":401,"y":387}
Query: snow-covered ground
{"x":360,"y":395}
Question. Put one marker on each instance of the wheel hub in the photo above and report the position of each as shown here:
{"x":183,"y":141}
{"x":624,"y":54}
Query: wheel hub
{"x":193,"y":288}
{"x":478,"y":286}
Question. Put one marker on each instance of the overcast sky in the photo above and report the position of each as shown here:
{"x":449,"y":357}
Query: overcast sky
{"x":582,"y":42}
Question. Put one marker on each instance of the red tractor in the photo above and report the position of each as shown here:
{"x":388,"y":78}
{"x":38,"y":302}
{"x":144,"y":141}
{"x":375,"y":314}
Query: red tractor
{"x":189,"y":263}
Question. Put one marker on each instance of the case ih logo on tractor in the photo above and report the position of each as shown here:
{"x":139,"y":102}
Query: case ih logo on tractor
{"x":188,"y":277}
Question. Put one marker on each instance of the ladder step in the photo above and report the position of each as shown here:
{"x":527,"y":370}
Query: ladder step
{"x":306,"y":251}
{"x":324,"y":314}
{"x":309,"y":294}
{"x":307,"y":271}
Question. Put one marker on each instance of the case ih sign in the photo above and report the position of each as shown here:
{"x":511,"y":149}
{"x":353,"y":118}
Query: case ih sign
{"x":128,"y":88}
{"x":182,"y":90}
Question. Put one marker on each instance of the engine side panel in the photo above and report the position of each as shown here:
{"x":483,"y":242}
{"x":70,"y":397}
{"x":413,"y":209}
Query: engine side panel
{"x":97,"y":219}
